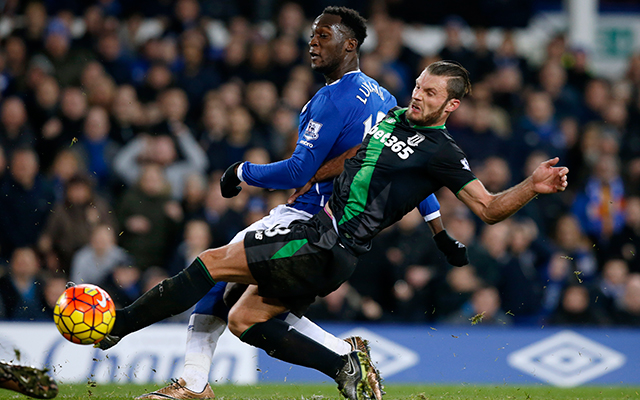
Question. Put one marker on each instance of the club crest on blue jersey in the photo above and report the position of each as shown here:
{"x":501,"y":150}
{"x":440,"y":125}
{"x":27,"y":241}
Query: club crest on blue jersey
{"x":311,"y":133}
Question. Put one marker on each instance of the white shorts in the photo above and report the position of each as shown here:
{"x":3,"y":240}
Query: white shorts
{"x":281,"y":215}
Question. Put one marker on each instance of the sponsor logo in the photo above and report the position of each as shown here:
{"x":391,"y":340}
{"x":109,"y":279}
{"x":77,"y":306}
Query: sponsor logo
{"x":415,"y":140}
{"x":102,"y":302}
{"x":312,"y":131}
{"x":566,"y":359}
{"x":258,"y":235}
{"x":465,"y":164}
{"x":305,"y":143}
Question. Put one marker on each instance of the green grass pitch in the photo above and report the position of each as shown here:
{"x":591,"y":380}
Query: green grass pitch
{"x":296,"y":391}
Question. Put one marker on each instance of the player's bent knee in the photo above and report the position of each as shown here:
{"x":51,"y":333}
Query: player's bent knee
{"x":239,"y":321}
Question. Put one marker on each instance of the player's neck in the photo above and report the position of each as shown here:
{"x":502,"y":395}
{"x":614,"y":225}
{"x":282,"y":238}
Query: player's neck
{"x":337,"y":74}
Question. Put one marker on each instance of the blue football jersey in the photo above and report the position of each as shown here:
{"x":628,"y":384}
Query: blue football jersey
{"x":336,"y":119}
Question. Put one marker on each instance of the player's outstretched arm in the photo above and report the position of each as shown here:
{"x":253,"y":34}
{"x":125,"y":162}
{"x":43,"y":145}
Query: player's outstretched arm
{"x":329,"y":169}
{"x":493,"y":208}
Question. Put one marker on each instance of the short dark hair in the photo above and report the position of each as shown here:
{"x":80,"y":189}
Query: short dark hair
{"x":352,"y":20}
{"x":459,"y":84}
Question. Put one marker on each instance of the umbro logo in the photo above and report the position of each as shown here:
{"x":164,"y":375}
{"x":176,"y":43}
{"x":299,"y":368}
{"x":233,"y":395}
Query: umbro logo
{"x":415,"y":140}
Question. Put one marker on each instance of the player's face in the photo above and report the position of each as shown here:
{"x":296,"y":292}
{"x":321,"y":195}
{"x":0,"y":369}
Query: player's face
{"x":429,"y":105}
{"x":327,"y":43}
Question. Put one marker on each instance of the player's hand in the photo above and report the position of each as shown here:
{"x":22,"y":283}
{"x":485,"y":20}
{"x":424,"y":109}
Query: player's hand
{"x":549,"y":179}
{"x":299,"y":192}
{"x":454,"y":251}
{"x":229,"y":182}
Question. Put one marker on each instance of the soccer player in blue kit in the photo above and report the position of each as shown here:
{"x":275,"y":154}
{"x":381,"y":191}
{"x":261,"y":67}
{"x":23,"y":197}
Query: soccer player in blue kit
{"x":331,"y":123}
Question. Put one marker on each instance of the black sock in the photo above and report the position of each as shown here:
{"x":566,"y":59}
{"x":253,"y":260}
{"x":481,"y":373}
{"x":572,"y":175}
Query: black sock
{"x":279,"y":340}
{"x":170,"y":297}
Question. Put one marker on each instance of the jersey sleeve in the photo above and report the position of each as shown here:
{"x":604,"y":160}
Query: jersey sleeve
{"x":316,"y":137}
{"x":449,"y":166}
{"x":429,"y":208}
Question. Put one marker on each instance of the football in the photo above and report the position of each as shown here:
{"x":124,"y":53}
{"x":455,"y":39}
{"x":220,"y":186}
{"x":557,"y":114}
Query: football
{"x":84,"y":314}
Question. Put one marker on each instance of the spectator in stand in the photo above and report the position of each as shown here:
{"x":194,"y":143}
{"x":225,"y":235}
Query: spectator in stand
{"x":68,"y":62}
{"x":199,"y":75}
{"x":186,"y":16}
{"x":72,"y":220}
{"x":93,"y":19}
{"x":455,"y":49}
{"x":73,"y":109}
{"x":54,"y":286}
{"x":536,"y":130}
{"x":14,"y":129}
{"x":483,"y":307}
{"x":552,"y":79}
{"x":628,"y":314}
{"x":195,"y":192}
{"x":25,"y":201}
{"x":597,"y":95}
{"x":223,"y":218}
{"x":158,"y":79}
{"x":240,"y":137}
{"x":126,"y":115}
{"x":624,"y":244}
{"x":521,"y":284}
{"x":66,"y":165}
{"x":344,"y":304}
{"x":454,"y":291}
{"x":35,"y":23}
{"x":97,"y":149}
{"x":161,"y":150}
{"x":123,"y":284}
{"x":611,"y":285}
{"x":599,"y":207}
{"x":112,"y":58}
{"x":577,"y":309}
{"x":21,"y":288}
{"x":261,"y":98}
{"x":216,"y":125}
{"x":197,"y":238}
{"x":149,"y":218}
{"x":99,"y":257}
{"x":16,"y":62}
{"x":576,"y":247}
{"x":479,"y":140}
{"x":507,"y":85}
{"x":578,"y":73}
{"x":174,"y":106}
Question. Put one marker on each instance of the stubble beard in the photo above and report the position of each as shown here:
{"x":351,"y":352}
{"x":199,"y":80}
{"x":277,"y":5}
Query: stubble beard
{"x":431,"y":118}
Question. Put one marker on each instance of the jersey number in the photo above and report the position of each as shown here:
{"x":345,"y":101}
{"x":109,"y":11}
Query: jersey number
{"x":367,"y":122}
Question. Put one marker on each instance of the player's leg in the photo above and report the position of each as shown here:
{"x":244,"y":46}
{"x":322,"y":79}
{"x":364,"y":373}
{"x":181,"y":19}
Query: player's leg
{"x":178,"y":293}
{"x":252,"y":320}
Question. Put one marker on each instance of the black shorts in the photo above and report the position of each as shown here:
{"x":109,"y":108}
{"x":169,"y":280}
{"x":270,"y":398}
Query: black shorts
{"x":298,"y":263}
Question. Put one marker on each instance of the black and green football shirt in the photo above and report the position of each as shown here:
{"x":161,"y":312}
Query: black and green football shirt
{"x":397,"y":166}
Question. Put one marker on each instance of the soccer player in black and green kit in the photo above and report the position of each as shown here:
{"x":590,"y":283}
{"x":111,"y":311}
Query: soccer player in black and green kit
{"x":406,"y":157}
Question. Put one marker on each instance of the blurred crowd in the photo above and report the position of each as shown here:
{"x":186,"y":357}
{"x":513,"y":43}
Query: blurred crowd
{"x":117,"y":120}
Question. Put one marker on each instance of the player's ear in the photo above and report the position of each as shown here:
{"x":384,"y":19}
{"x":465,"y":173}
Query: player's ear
{"x":452,"y":105}
{"x":351,"y":44}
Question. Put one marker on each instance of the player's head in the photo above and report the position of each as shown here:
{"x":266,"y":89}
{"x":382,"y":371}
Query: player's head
{"x":336,"y":37}
{"x":437,"y":93}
